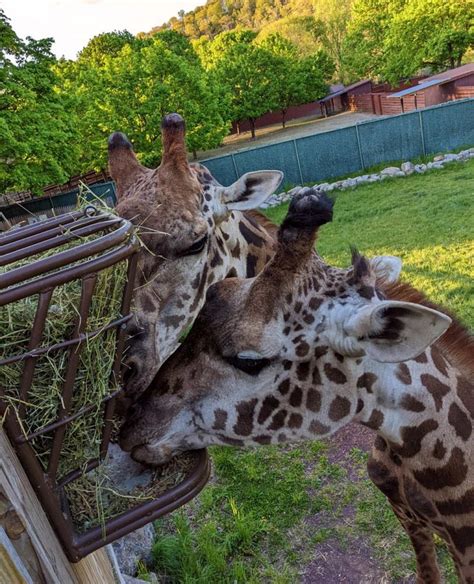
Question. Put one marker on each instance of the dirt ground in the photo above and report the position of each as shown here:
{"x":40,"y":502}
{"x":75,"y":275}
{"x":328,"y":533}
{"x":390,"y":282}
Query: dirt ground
{"x":294,"y":129}
{"x":332,"y":563}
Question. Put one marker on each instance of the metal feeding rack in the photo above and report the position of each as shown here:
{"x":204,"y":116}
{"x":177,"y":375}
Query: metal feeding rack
{"x":82,"y":261}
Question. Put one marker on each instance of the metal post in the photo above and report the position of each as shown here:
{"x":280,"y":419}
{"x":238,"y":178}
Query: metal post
{"x":362,"y":165}
{"x":423,"y":147}
{"x":235,"y":167}
{"x":298,"y":160}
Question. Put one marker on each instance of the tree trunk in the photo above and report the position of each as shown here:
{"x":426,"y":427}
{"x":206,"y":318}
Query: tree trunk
{"x":239,"y":131}
{"x":283,"y":117}
{"x":252,"y":127}
{"x":195,"y":155}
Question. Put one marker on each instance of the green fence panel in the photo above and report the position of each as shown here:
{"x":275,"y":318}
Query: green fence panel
{"x":394,"y":138}
{"x":222,"y":169}
{"x":281,"y":156}
{"x":348,"y":150}
{"x":448,"y":126}
{"x":62,"y":202}
{"x":329,"y":154}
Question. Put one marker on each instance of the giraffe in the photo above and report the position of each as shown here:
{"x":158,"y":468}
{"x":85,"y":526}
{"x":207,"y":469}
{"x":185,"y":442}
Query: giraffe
{"x":194,"y":232}
{"x":303,"y":349}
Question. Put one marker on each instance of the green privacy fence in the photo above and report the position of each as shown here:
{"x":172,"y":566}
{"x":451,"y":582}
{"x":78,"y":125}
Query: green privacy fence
{"x":47,"y":206}
{"x":348,"y":150}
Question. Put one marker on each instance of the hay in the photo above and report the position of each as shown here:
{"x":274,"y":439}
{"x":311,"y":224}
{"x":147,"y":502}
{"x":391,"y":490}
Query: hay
{"x":96,"y":496}
{"x":92,"y":502}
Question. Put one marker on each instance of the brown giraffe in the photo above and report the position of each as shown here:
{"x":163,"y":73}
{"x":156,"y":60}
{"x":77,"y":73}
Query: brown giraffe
{"x":194,"y":233}
{"x":303,"y":349}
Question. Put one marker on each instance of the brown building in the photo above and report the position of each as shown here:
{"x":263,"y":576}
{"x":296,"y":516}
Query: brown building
{"x":452,"y":84}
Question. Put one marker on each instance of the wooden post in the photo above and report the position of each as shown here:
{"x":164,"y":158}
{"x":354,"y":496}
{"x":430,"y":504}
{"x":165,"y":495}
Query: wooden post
{"x":32,"y":536}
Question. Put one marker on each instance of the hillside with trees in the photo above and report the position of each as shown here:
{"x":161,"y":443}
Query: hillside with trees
{"x":224,"y":62}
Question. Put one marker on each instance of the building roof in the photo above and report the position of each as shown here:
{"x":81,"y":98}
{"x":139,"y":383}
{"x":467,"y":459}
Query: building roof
{"x":344,"y":90}
{"x":451,"y":74}
{"x":416,"y":88}
{"x":439,"y":79}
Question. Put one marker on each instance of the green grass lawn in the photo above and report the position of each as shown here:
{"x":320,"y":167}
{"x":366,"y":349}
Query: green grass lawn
{"x":250,"y":523}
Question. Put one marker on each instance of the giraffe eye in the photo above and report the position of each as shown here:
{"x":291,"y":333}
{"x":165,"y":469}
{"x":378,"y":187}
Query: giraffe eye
{"x":196,"y":247}
{"x":249,"y":366}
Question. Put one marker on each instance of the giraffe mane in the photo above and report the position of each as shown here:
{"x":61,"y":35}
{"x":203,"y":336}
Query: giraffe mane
{"x":263,"y":221}
{"x":457,"y":342}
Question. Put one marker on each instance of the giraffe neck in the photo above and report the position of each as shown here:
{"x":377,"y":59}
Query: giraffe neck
{"x":418,"y":408}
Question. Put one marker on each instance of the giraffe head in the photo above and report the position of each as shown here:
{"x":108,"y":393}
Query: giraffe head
{"x":281,"y":356}
{"x":189,"y":226}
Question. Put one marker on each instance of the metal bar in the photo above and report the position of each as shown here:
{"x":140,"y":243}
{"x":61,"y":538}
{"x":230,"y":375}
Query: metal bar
{"x":298,"y":160}
{"x":35,"y":338}
{"x":64,"y":257}
{"x":235,"y":166}
{"x":79,"y":339}
{"x":28,"y":230}
{"x":88,"y":286}
{"x":64,"y":421}
{"x":362,"y":165}
{"x":48,"y":234}
{"x":68,"y":274}
{"x":119,"y":346}
{"x":422,"y":132}
{"x":57,"y":241}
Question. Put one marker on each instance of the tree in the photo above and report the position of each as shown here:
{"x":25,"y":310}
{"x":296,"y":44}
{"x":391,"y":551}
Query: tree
{"x":107,"y":44}
{"x":37,"y":144}
{"x":296,"y":80}
{"x":428,"y":33}
{"x":248,"y":71}
{"x":363,"y":53}
{"x":134,"y":88}
{"x":334,"y":16}
{"x":303,"y":31}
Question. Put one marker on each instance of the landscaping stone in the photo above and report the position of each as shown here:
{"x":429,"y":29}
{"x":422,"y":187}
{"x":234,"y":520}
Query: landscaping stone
{"x":391,"y":171}
{"x":408,"y":168}
{"x":133,"y":548}
{"x":420,"y":168}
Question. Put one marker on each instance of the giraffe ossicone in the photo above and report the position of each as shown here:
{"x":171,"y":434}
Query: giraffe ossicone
{"x":303,"y":349}
{"x":194,"y":232}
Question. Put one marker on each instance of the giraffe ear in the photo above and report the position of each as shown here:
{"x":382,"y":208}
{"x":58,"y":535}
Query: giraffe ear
{"x":386,"y":268}
{"x":391,"y":331}
{"x":251,"y":190}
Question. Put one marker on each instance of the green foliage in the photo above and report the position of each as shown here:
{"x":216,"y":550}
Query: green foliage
{"x":37,"y":133}
{"x":394,"y":39}
{"x":428,"y":33}
{"x":107,"y":44}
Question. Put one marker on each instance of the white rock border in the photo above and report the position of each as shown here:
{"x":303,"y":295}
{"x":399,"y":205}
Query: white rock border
{"x":405,"y":169}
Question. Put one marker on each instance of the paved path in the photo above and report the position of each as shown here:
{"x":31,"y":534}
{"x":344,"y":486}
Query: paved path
{"x":295,"y":129}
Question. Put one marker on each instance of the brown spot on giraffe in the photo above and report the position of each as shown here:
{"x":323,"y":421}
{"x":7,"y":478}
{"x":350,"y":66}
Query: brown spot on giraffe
{"x":403,"y":374}
{"x":375,"y":420}
{"x":366,"y":381}
{"x":459,"y":420}
{"x":437,"y":388}
{"x":439,"y":450}
{"x":269,"y":405}
{"x":411,"y":403}
{"x":220,"y":419}
{"x":340,"y":408}
{"x":245,"y":413}
{"x":452,"y":474}
{"x":334,"y":374}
